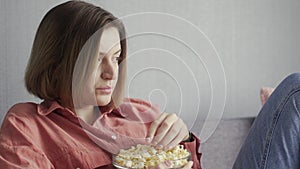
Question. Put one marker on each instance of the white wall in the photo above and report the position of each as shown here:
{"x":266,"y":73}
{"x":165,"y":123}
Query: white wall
{"x":256,"y":41}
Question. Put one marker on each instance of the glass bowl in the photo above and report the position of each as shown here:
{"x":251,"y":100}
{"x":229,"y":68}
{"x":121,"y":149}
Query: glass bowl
{"x":139,"y":161}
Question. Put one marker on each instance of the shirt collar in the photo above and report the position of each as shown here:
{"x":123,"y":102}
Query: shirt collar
{"x":47,"y":107}
{"x":111,"y":108}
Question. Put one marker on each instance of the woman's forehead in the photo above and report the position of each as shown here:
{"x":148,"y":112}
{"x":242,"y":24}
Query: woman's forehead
{"x":110,"y":40}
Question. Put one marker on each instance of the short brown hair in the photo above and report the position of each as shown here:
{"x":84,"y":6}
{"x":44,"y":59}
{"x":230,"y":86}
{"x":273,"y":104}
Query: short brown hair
{"x":60,"y":37}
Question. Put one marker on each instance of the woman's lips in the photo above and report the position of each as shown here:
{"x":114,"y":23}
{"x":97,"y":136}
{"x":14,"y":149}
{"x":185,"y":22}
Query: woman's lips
{"x":104,"y":90}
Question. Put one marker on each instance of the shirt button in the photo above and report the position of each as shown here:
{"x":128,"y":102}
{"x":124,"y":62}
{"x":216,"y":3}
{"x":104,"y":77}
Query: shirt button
{"x":114,"y":137}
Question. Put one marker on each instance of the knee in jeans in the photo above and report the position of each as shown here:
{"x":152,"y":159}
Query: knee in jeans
{"x":296,"y":101}
{"x":295,"y":77}
{"x":291,"y":82}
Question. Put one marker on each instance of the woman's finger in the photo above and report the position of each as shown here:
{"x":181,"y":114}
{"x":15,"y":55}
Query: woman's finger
{"x":172,"y":134}
{"x":167,"y":164}
{"x":154,"y":125}
{"x":164,"y":128}
{"x":189,"y":165}
{"x":181,"y":134}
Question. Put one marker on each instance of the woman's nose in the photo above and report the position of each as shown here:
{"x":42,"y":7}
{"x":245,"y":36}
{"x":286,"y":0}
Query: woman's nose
{"x":106,"y":76}
{"x":108,"y":72}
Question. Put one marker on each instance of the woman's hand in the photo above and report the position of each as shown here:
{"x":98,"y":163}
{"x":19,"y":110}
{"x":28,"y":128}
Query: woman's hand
{"x":165,"y":165}
{"x":167,"y":131}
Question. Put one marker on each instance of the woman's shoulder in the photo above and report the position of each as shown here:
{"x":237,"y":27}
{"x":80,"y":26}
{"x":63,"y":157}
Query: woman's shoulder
{"x":137,"y":101}
{"x":20,"y":114}
{"x":138,"y":109}
{"x":140,"y":104}
{"x":19,"y":123}
{"x":23,"y":109}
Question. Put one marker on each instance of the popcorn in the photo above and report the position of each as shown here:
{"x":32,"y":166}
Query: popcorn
{"x":146,"y":156}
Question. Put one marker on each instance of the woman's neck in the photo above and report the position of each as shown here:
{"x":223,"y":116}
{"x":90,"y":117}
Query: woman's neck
{"x":87,"y":114}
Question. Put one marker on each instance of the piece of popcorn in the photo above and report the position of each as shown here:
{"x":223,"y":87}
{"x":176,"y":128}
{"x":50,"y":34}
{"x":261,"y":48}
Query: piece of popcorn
{"x":128,"y":163}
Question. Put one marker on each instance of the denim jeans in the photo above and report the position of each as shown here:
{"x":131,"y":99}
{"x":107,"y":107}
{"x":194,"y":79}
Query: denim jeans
{"x":274,"y":138}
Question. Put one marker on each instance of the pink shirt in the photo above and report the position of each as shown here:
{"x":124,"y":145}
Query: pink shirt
{"x":48,"y":135}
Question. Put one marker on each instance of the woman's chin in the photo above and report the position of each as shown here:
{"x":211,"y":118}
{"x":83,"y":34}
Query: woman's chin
{"x":103,"y":101}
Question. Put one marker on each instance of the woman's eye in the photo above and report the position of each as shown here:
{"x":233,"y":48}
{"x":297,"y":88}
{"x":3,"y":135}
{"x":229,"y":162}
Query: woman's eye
{"x":116,"y":59}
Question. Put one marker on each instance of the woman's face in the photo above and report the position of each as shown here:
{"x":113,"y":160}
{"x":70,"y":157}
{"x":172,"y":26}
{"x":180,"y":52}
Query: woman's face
{"x":108,"y":69}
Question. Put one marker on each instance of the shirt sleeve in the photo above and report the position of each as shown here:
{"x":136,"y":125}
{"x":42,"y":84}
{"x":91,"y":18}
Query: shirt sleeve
{"x":17,"y":150}
{"x":193,"y":148}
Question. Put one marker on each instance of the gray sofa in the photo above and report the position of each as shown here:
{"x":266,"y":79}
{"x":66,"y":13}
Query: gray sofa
{"x":221,"y":149}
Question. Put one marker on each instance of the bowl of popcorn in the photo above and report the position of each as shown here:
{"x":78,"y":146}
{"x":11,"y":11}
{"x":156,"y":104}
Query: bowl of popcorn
{"x":146,"y":156}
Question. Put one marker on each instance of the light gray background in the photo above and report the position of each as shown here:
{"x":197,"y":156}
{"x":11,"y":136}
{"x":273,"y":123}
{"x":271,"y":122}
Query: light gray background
{"x":257,"y":41}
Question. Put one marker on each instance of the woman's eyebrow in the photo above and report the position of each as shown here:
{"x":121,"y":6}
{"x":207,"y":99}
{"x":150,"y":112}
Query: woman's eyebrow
{"x":103,"y":53}
{"x":117,"y":51}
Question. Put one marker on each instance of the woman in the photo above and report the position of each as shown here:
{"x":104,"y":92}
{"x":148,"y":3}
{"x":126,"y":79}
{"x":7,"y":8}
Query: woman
{"x":78,"y":67}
